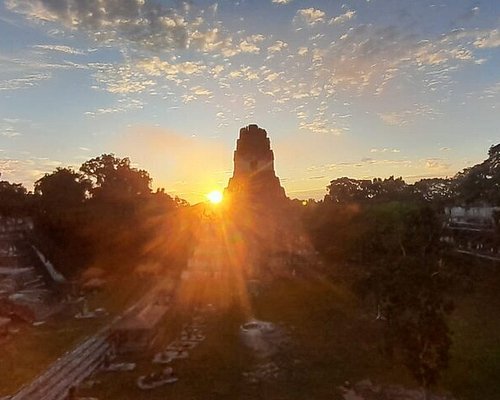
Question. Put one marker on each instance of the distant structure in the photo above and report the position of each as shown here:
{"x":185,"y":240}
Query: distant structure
{"x":254,"y":177}
{"x":474,"y":230}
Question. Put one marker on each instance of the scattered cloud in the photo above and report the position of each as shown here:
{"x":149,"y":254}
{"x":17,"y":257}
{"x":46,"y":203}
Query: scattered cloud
{"x":310,"y":16}
{"x":155,"y":66}
{"x":488,"y":39}
{"x":384,"y":150}
{"x":123,"y":105}
{"x":9,"y":127}
{"x":402,"y":118}
{"x":120,"y":79}
{"x":24,"y":82}
{"x":437,"y":164}
{"x":26,"y":170}
{"x":148,"y":24}
{"x":277,"y":47}
{"x":340,"y":19}
{"x":60,"y":48}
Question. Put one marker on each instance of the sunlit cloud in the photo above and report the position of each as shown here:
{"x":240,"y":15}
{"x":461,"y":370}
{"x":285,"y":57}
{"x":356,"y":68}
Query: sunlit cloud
{"x":24,"y":82}
{"x":60,"y":48}
{"x":310,"y":16}
{"x":145,"y":23}
{"x":323,"y":70}
{"x":340,"y":19}
{"x":277,"y":47}
{"x":28,"y":169}
{"x":488,"y":39}
{"x":401,"y":118}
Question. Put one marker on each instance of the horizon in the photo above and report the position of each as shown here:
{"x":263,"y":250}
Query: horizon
{"x":361,"y":88}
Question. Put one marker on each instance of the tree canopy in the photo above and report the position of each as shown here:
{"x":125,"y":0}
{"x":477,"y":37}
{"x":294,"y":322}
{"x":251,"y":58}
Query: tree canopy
{"x":113,"y":178}
{"x":63,"y":188}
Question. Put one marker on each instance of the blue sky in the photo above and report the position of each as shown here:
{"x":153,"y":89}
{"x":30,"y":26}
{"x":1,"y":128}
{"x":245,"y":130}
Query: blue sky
{"x":344,"y":88}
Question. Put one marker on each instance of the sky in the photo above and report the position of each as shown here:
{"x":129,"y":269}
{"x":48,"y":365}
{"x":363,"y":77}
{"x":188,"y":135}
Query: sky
{"x":358,"y":88}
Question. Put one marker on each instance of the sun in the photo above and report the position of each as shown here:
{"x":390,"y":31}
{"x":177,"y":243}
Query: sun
{"x":215,"y":196}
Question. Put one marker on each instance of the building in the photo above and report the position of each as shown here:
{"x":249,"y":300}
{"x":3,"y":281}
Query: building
{"x":475,"y":229}
{"x":254,"y":177}
{"x":139,"y":331}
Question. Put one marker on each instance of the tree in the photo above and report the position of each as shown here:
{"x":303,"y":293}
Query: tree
{"x":62,"y":189}
{"x":13,"y":199}
{"x":405,"y":273}
{"x":346,"y":190}
{"x":435,"y":190}
{"x":113,"y":178}
{"x":480,"y":183}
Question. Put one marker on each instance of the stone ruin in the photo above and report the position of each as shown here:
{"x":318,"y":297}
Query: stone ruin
{"x":254,"y":177}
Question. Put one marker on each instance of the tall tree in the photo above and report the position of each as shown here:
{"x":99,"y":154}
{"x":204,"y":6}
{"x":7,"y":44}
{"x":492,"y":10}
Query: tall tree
{"x":403,"y":270}
{"x":62,"y":189}
{"x":113,"y":178}
{"x":14,"y":199}
{"x":346,"y":190}
{"x":480,"y":183}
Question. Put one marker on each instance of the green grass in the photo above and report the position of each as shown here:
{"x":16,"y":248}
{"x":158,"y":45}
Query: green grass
{"x":33,"y":349}
{"x":475,"y":357}
{"x":331,"y":345}
{"x":26,"y":354}
{"x":334,"y":340}
{"x":213,"y":369}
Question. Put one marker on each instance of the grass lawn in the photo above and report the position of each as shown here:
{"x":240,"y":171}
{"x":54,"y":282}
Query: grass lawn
{"x":334,"y":340}
{"x":474,"y":371}
{"x":331,"y":344}
{"x":26,"y":354}
{"x":33,"y":349}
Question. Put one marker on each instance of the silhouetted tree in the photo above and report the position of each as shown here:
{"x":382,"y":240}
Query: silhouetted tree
{"x":62,"y":189}
{"x":438,"y":191}
{"x":480,"y":183}
{"x":403,"y":270}
{"x":113,"y":178}
{"x":346,"y":190}
{"x":14,"y":199}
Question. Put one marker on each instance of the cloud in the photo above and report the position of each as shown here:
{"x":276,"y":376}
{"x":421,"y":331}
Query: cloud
{"x":8,"y":128}
{"x":156,"y":67}
{"x":59,"y":48}
{"x":404,"y":117}
{"x":249,"y":45}
{"x":277,"y":47}
{"x":24,"y":82}
{"x":120,"y":78}
{"x":437,"y":164}
{"x":310,"y":16}
{"x":384,"y":150}
{"x":282,"y":1}
{"x":201,"y":91}
{"x":340,"y":19}
{"x":321,"y":126}
{"x":26,"y":171}
{"x":302,"y":51}
{"x":124,"y":104}
{"x":149,"y":24}
{"x":489,"y":39}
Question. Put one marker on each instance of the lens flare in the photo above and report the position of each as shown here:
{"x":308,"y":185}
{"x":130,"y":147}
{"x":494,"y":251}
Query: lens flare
{"x":215,"y":196}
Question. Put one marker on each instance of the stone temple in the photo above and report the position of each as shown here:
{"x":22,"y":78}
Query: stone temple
{"x":254,"y":177}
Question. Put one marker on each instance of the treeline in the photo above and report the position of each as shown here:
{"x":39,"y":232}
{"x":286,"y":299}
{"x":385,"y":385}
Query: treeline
{"x":103,"y":214}
{"x":479,"y":184}
{"x":384,"y":235}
